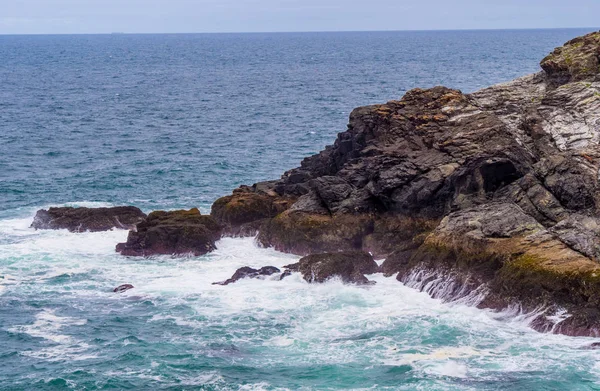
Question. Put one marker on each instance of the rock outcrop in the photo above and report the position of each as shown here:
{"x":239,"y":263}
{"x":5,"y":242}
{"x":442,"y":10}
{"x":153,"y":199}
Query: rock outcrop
{"x":496,"y":191}
{"x":248,"y":272}
{"x":243,"y":212}
{"x":349,"y":266}
{"x":172,"y":233}
{"x":88,"y":219}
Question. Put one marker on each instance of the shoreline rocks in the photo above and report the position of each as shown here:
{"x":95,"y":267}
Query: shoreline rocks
{"x":88,"y":219}
{"x":349,"y":266}
{"x":248,"y":272}
{"x":496,"y":191}
{"x":172,"y":233}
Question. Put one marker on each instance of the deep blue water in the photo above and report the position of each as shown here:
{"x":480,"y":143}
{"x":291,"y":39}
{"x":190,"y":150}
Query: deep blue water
{"x":175,"y":121}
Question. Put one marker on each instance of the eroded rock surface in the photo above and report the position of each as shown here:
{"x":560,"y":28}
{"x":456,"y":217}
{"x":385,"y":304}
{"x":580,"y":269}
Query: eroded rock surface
{"x":243,"y":212}
{"x":88,"y":219}
{"x":495,"y":190}
{"x":172,"y":233}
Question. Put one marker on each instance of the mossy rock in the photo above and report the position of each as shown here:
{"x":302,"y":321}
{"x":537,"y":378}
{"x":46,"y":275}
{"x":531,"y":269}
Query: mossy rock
{"x":308,"y":233}
{"x":576,"y":60}
{"x":240,"y":212}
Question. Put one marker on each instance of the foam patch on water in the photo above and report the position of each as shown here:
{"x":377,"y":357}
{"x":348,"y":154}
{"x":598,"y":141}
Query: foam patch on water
{"x":260,"y":323}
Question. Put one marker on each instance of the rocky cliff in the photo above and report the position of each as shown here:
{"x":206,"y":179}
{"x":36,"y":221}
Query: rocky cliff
{"x":497,"y":191}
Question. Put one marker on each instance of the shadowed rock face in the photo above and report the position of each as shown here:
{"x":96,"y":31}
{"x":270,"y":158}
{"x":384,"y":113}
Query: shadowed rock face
{"x":242,"y":213}
{"x":350,"y":266}
{"x":88,"y":219}
{"x":172,"y":233}
{"x":498,"y":189}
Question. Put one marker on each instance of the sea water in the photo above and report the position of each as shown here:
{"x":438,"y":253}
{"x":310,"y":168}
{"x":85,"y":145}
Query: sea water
{"x":175,"y":121}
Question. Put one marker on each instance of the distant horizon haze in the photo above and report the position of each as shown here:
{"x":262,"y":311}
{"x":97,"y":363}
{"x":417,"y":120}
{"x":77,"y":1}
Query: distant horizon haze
{"x":281,"y":16}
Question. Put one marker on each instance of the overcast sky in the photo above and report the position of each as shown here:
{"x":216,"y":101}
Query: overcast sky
{"x":186,"y":16}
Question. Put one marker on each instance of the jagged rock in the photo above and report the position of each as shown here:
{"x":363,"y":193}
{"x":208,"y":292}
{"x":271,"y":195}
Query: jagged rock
{"x":577,"y":60}
{"x":517,"y":260}
{"x":173,"y":233}
{"x":248,"y":272}
{"x":88,"y":219}
{"x":242,"y":213}
{"x":123,"y":288}
{"x":498,"y":190}
{"x":350,"y":266}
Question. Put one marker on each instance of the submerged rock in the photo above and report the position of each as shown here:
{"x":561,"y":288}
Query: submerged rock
{"x":350,"y":266}
{"x":248,"y":272}
{"x":123,"y":288}
{"x":88,"y":219}
{"x":172,"y":233}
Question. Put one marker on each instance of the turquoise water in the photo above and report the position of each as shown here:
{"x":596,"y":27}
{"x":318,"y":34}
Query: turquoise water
{"x":176,"y":121}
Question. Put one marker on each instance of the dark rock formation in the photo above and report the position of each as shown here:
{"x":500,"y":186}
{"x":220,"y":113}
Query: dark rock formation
{"x":242,"y":213}
{"x":88,"y":219}
{"x":173,"y":233}
{"x":123,"y":288}
{"x":497,"y":191}
{"x":248,"y":272}
{"x":350,"y":266}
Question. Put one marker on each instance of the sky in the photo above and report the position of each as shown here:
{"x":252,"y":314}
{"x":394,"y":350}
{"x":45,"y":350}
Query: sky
{"x":197,"y":16}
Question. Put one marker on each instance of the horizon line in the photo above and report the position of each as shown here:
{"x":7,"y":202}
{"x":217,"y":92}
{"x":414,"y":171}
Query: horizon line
{"x":308,"y":31}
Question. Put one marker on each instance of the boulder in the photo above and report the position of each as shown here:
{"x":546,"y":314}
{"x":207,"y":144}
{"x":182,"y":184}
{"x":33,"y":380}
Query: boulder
{"x":172,"y":233}
{"x":349,"y":266}
{"x":88,"y":219}
{"x":248,"y":272}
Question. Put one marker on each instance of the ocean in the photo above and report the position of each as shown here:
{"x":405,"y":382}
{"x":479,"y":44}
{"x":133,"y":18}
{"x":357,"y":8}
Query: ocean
{"x":176,"y":121}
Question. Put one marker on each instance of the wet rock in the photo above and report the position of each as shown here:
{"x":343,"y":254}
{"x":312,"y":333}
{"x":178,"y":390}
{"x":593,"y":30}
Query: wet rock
{"x":123,"y":288}
{"x":494,"y":193}
{"x":88,"y":219}
{"x":595,"y":345}
{"x":350,"y":266}
{"x":242,"y":213}
{"x":305,"y":233}
{"x":172,"y":233}
{"x":248,"y":272}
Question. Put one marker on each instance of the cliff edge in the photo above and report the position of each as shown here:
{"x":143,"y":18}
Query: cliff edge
{"x":494,"y":192}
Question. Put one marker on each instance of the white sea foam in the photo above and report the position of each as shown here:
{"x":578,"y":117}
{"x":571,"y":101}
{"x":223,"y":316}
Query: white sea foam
{"x":332,"y":323}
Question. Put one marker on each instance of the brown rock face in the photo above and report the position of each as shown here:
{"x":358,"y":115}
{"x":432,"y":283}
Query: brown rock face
{"x":350,"y":266}
{"x":497,"y":191}
{"x":305,"y":233}
{"x":242,"y":213}
{"x":172,"y":233}
{"x":88,"y":219}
